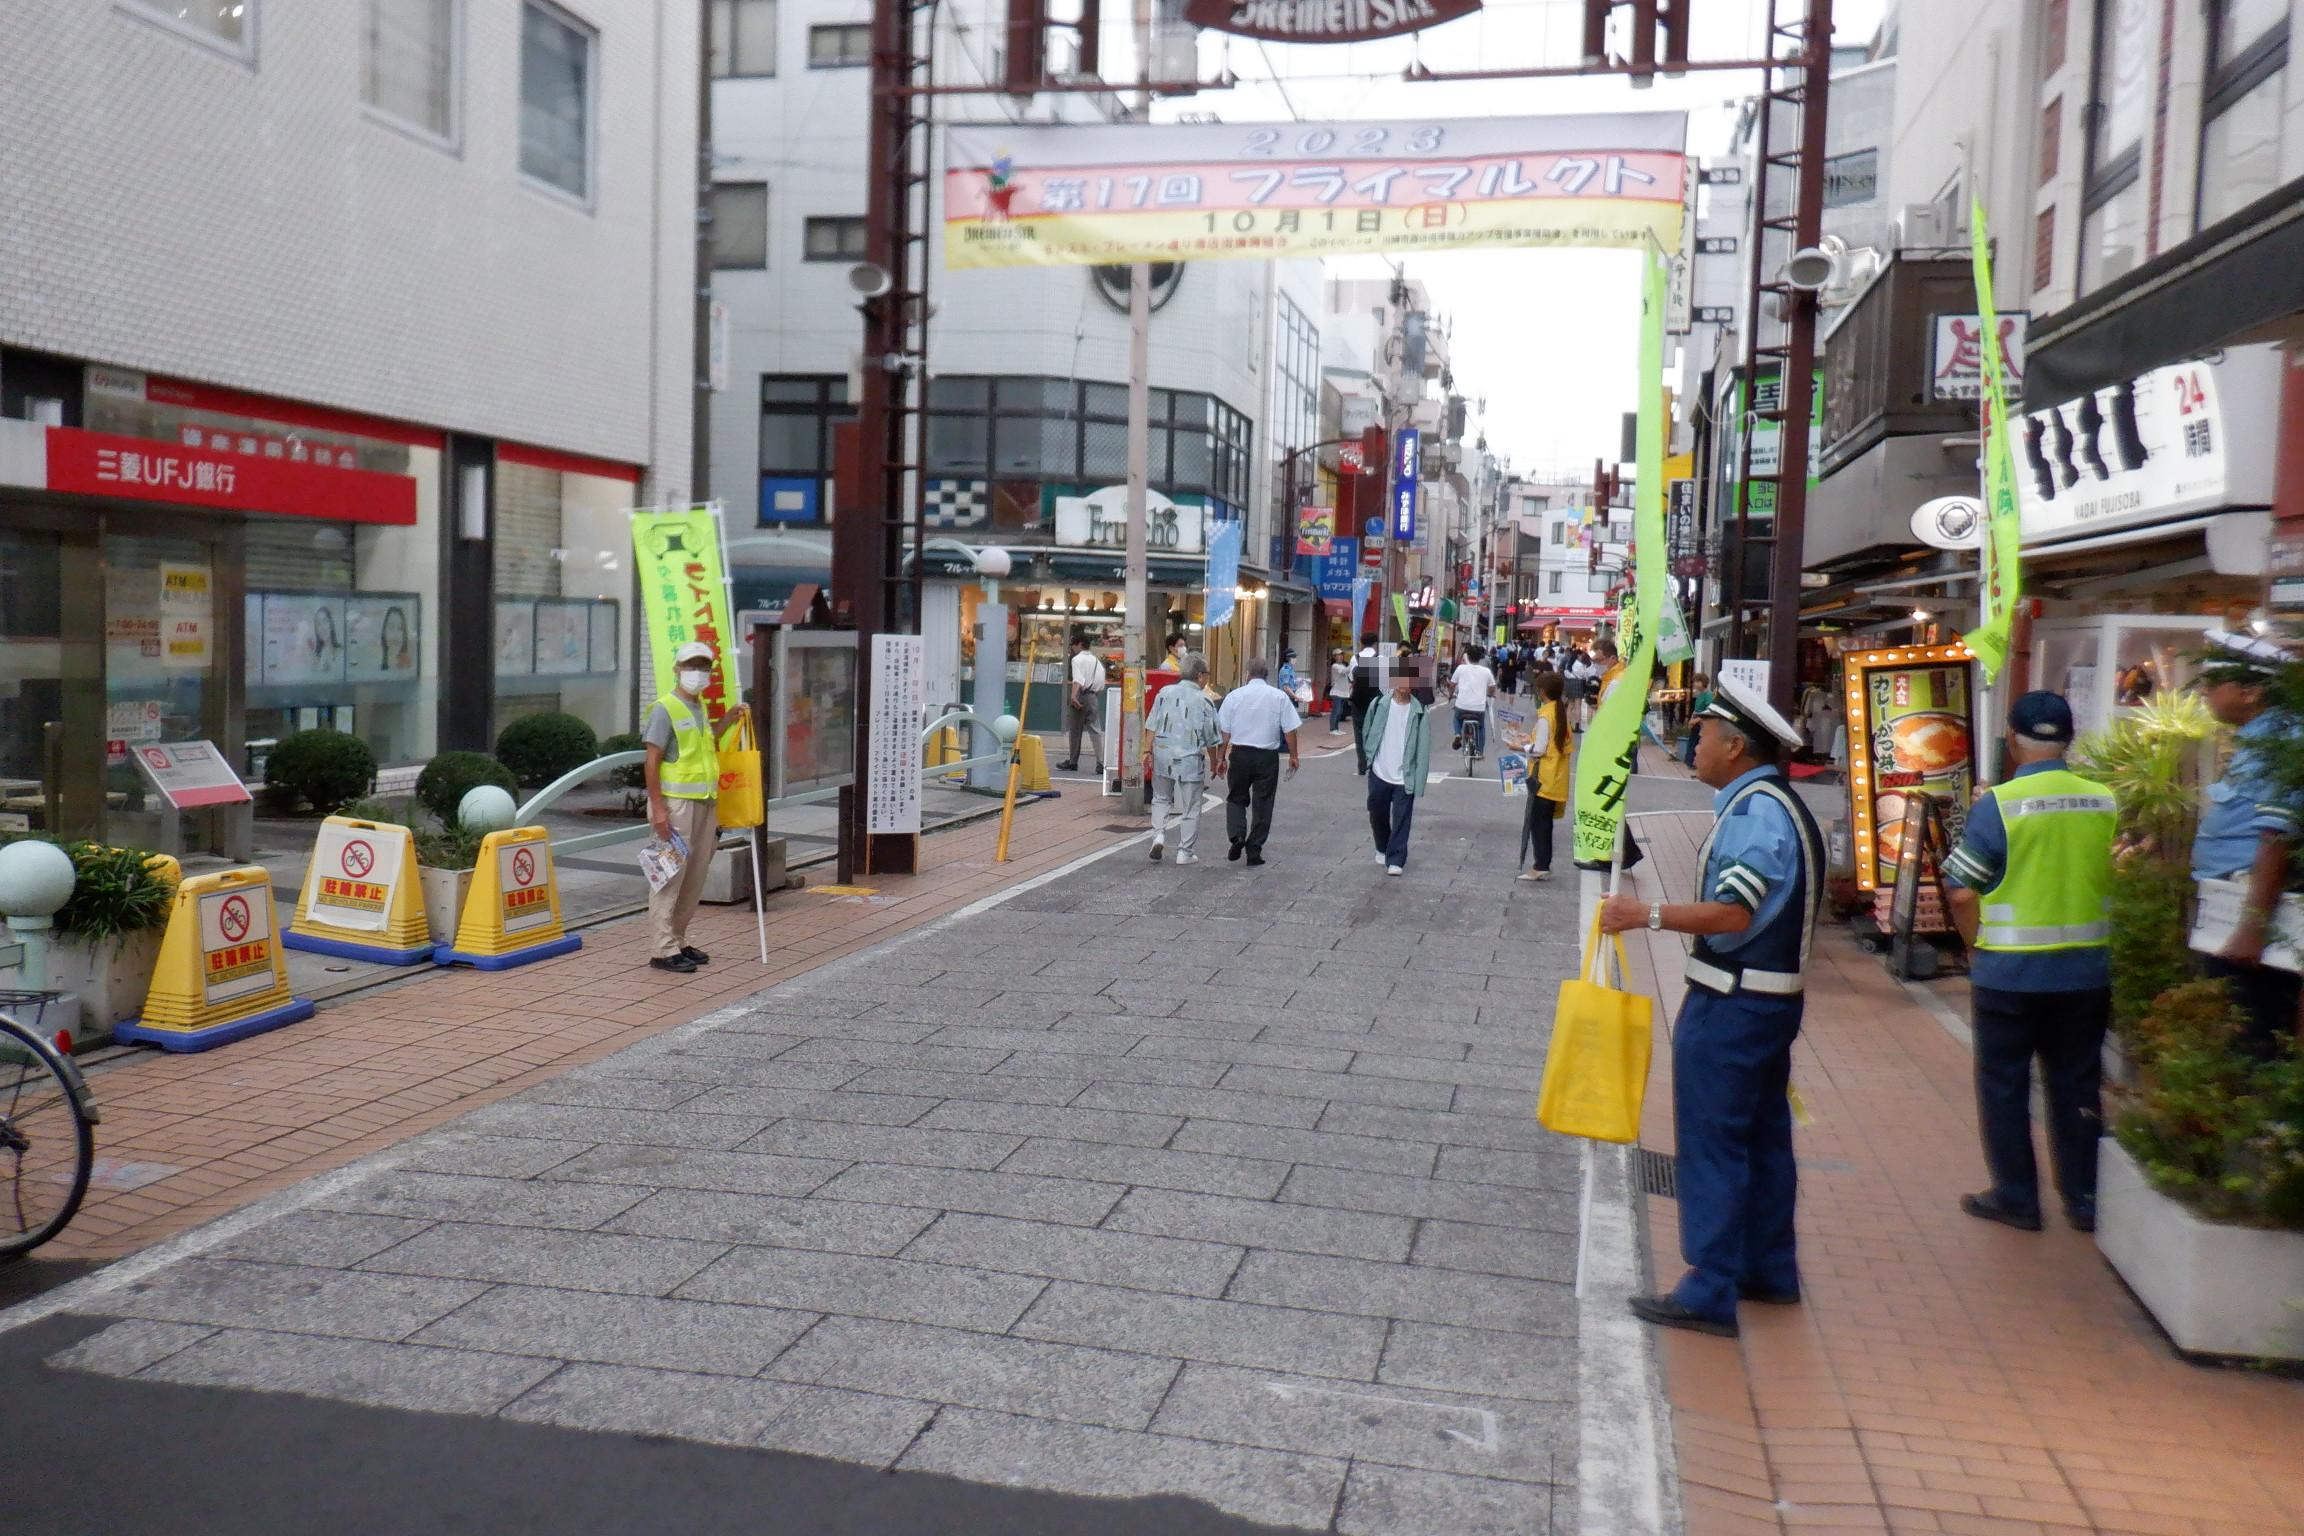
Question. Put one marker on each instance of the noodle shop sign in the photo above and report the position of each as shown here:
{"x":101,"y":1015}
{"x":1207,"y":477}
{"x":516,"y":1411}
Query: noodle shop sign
{"x":1324,"y":21}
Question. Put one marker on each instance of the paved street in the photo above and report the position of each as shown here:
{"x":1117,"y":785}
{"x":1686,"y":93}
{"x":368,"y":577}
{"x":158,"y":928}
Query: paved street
{"x":1211,"y":1182}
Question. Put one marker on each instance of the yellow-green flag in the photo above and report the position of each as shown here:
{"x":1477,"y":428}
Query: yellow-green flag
{"x":2003,"y":528}
{"x":1604,"y":764}
{"x":683,"y":593}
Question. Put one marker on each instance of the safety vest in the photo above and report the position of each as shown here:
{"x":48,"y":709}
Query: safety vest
{"x":1773,"y":958}
{"x":2057,"y":891}
{"x":695,"y":773}
{"x":1552,"y":767}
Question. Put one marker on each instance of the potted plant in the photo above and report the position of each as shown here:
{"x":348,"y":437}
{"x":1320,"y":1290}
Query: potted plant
{"x":445,"y":858}
{"x":107,"y":937}
{"x":2200,"y":1198}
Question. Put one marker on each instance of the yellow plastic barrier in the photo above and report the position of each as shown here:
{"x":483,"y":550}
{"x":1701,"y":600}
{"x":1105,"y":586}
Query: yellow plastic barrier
{"x":1033,"y":759}
{"x":944,"y":747}
{"x":221,"y":975}
{"x":512,"y":915}
{"x":361,"y":898}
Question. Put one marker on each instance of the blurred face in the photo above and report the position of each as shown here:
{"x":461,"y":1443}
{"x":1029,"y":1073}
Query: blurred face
{"x":2234,"y":703}
{"x":1403,"y":687}
{"x":1722,"y":754}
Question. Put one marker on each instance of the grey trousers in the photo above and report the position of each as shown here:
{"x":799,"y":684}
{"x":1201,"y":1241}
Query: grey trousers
{"x":1177,"y":800}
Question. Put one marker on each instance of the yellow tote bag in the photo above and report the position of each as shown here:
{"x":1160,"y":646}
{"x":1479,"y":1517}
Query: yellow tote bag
{"x":743,"y":803}
{"x":1596,"y":1072}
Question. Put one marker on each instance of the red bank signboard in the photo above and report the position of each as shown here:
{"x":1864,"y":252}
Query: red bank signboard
{"x":101,"y":464}
{"x":1324,"y":21}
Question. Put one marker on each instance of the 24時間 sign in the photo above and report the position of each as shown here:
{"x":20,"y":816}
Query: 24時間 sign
{"x":1324,"y":21}
{"x":1026,"y":195}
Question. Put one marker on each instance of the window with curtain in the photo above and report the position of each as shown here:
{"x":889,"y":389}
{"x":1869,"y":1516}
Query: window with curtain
{"x":228,"y":24}
{"x":556,"y":99}
{"x":739,"y":225}
{"x":2240,"y":107}
{"x":409,"y":73}
{"x":743,"y":38}
{"x":2120,"y":105}
{"x":839,"y":46}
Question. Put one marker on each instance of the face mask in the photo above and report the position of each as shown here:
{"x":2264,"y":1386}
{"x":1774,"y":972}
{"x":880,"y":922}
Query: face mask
{"x":695,"y":679}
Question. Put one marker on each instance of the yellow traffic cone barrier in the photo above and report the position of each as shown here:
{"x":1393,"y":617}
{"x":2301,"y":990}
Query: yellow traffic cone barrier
{"x":221,"y":975}
{"x":512,"y":916}
{"x":1033,"y":760}
{"x":360,"y":899}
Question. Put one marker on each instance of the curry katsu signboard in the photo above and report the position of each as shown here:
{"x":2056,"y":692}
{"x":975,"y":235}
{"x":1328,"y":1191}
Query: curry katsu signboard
{"x":1045,"y":195}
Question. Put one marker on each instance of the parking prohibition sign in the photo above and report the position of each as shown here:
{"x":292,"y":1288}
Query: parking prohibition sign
{"x":233,"y":919}
{"x":524,"y":878}
{"x":357,"y":858}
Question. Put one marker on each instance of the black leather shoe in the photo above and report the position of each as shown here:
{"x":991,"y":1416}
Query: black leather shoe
{"x":1987,"y":1207}
{"x":2080,"y":1221}
{"x":1768,"y":1298}
{"x":1254,"y":859}
{"x":1156,"y":850}
{"x":1071,"y":767}
{"x":1664,"y":1312}
{"x":1235,"y":853}
{"x":678,"y":964}
{"x":691,"y":952}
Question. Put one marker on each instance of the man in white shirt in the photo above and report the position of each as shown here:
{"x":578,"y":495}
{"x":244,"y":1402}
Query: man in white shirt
{"x":1470,"y":685}
{"x":1258,"y":722}
{"x":1084,"y":703}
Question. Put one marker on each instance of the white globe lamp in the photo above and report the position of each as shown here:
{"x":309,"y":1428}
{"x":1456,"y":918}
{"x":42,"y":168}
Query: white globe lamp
{"x":485,"y":808}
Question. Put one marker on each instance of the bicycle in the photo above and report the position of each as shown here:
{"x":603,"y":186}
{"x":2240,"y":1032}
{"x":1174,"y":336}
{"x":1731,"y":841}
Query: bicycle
{"x":1472,"y":737}
{"x":47,"y":1139}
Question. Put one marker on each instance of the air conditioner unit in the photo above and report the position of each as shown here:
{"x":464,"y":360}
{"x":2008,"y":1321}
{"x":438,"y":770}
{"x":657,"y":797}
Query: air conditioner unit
{"x":1922,"y":225}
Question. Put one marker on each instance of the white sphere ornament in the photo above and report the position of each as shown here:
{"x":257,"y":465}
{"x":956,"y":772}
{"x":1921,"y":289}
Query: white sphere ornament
{"x":486,"y":808}
{"x":36,"y":878}
{"x":1006,"y":728}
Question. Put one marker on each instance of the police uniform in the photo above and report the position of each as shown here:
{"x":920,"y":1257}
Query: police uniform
{"x":2037,"y":851}
{"x":1732,"y":1041}
{"x":2240,"y":810}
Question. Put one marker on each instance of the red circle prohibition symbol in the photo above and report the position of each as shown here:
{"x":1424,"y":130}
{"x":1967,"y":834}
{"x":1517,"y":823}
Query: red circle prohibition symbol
{"x":357,"y":857}
{"x":523,"y":866}
{"x":234,"y":918}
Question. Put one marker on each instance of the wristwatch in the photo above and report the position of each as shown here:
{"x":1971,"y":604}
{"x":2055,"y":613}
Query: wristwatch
{"x":1655,"y":917}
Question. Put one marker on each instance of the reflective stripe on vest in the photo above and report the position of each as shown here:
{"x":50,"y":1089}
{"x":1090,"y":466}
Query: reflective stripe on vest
{"x":2056,"y":892}
{"x":695,"y":773}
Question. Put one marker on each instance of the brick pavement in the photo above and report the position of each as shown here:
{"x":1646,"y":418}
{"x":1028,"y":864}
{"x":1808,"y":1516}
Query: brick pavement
{"x":1944,"y":1375}
{"x":188,"y":1138}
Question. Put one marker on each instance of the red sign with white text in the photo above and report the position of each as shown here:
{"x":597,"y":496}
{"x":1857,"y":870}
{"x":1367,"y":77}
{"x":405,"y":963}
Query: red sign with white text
{"x":142,"y":469}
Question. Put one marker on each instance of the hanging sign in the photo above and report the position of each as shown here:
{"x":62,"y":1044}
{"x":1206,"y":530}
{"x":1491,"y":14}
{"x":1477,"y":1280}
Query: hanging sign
{"x":187,"y":616}
{"x":1408,"y":459}
{"x":684,"y":593}
{"x":1223,"y":578}
{"x":1098,"y":194}
{"x":1324,"y":21}
{"x":1315,"y":530}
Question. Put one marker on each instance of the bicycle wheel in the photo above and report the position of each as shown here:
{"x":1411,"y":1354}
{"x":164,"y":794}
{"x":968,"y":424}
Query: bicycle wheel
{"x":46,"y":1145}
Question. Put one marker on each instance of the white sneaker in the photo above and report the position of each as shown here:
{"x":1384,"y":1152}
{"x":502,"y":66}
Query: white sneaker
{"x":1187,"y":858}
{"x":1392,"y":869}
{"x":1387,"y":863}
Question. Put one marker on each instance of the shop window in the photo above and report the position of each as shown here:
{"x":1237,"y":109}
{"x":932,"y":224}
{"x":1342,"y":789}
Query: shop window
{"x":556,"y":71}
{"x":797,"y":415}
{"x":561,"y":545}
{"x":839,"y":46}
{"x":959,"y":444}
{"x":2120,"y":99}
{"x":743,"y":40}
{"x":833,"y":239}
{"x":226,"y":25}
{"x":2241,"y":105}
{"x":411,"y":65}
{"x":739,"y":225}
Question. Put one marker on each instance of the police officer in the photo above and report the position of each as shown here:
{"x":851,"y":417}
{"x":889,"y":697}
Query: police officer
{"x":2032,"y":894}
{"x":1754,"y":917}
{"x":2245,"y":832}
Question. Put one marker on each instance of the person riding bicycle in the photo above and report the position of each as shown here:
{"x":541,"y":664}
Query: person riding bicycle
{"x":1469,"y":687}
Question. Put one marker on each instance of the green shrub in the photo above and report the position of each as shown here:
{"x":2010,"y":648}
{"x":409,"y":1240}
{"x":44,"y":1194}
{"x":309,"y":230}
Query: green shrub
{"x":625,"y":741}
{"x":322,"y":768}
{"x":115,"y":891}
{"x":390,"y":810}
{"x":441,"y":787}
{"x":452,"y":845}
{"x":2209,"y":1124}
{"x":540,"y":748}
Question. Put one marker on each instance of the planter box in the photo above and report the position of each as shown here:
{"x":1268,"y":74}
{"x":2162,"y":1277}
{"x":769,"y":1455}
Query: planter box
{"x":2216,"y":1289}
{"x":111,"y":979}
{"x":444,"y":892}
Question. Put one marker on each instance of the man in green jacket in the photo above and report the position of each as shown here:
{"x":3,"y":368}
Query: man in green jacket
{"x":1399,"y":745}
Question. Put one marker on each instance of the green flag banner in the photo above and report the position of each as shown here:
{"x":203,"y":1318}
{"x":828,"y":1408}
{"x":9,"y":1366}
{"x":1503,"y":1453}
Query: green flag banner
{"x":2003,"y":531}
{"x":1400,"y":614}
{"x":684,"y":593}
{"x":1604,"y":763}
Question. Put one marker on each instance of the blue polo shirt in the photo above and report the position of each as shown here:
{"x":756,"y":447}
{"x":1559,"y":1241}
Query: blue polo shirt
{"x":1755,"y":861}
{"x":1979,"y":864}
{"x":2242,"y":806}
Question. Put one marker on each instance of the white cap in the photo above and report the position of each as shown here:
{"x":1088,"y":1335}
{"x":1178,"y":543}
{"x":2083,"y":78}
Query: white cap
{"x":2247,"y":647}
{"x":694,"y":650}
{"x":1737,"y":704}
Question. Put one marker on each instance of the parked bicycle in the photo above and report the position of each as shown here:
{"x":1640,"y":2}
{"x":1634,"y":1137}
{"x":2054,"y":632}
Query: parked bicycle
{"x":47,"y":1139}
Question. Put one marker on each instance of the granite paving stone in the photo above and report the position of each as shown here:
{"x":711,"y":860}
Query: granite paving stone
{"x":861,"y":1285}
{"x":1265,"y":1224}
{"x":1408,"y":1501}
{"x":620,"y":1330}
{"x":1494,"y":1251}
{"x":1105,"y":1065}
{"x":1340,"y":1087}
{"x":822,"y":1421}
{"x":978,"y":1370}
{"x":1369,"y":1154}
{"x":123,"y":1349}
{"x":728,"y":1071}
{"x":1057,"y":1251}
{"x":759,"y":1173}
{"x":1517,"y":1077}
{"x":577,"y":1261}
{"x":1324,"y":1035}
{"x":639,"y":1127}
{"x":848,"y":1104}
{"x":1406,"y":1292}
{"x":1304,"y":1058}
{"x":1083,"y":1202}
{"x":1489,"y":1361}
{"x":999,"y":1087}
{"x":291,"y":1298}
{"x":1488,"y":1204}
{"x":1158,"y":1168}
{"x":885,"y":1144}
{"x":322,"y":1239}
{"x":353,"y":1370}
{"x":1470,"y":1130}
{"x":504,"y":1157}
{"x":1075,"y":1124}
{"x":504,"y":1202}
{"x":1557,"y":1170}
{"x":721,"y":1216}
{"x":1197,"y":1328}
{"x":1203,"y":1104}
{"x":876,"y":1053}
{"x":615,"y":1092}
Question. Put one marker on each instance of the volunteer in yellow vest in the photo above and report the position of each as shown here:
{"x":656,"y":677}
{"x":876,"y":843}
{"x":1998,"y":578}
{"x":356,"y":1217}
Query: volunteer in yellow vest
{"x":2032,"y":895}
{"x":683,"y":774}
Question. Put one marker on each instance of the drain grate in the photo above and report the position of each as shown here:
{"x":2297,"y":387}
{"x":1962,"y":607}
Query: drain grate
{"x":1122,"y":826}
{"x":1656,"y":1173}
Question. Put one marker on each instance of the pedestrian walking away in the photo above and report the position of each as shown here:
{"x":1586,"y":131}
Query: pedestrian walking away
{"x":1761,"y":888}
{"x":2031,"y":893}
{"x":1185,"y":739}
{"x":682,"y":773}
{"x":1084,"y":703}
{"x":1339,"y":691}
{"x":1258,"y":722}
{"x":1548,"y":754}
{"x":1469,"y":688}
{"x":2247,"y":833}
{"x":1398,"y":768}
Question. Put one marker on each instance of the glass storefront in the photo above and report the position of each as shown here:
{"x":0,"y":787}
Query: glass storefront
{"x":562,"y":566}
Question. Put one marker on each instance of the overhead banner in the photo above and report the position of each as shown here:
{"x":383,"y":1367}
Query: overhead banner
{"x":1604,"y":765}
{"x":2003,"y":518}
{"x":1097,"y":194}
{"x":1223,"y":579}
{"x":1324,"y":21}
{"x":684,"y":593}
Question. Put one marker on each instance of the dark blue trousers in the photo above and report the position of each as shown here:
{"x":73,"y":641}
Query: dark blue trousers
{"x":1731,"y":1066}
{"x":1391,"y":812}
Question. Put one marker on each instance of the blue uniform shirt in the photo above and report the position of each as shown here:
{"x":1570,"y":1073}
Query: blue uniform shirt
{"x":1755,"y":861}
{"x":1980,"y":863}
{"x":2240,"y":806}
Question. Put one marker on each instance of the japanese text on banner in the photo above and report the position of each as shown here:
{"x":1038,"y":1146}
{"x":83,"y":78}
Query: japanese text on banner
{"x":2003,"y":541}
{"x":684,"y":593}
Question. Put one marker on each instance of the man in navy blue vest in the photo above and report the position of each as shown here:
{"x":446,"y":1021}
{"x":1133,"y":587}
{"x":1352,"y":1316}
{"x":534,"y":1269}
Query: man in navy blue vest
{"x":1754,"y":917}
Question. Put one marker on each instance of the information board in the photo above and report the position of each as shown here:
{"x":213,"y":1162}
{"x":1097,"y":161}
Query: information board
{"x":190,"y":774}
{"x":892,"y":790}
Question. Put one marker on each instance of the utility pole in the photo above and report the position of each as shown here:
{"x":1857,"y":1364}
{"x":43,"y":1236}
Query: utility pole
{"x":1136,"y":593}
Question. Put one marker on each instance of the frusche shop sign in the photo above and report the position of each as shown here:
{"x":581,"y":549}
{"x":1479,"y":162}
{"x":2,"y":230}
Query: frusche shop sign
{"x":1099,"y":520}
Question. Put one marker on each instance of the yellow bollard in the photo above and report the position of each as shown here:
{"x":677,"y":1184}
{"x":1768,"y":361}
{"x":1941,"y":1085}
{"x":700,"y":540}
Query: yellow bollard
{"x":360,"y":899}
{"x":512,"y":916}
{"x":220,"y":976}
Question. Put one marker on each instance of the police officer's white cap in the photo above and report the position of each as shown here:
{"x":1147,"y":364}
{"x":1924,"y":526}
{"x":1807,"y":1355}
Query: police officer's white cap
{"x":1737,"y":704}
{"x":2247,"y":647}
{"x":694,"y":650}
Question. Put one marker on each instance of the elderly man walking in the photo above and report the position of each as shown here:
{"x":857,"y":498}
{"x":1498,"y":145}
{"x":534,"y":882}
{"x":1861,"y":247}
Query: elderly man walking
{"x":1259,"y":722}
{"x":1185,"y":739}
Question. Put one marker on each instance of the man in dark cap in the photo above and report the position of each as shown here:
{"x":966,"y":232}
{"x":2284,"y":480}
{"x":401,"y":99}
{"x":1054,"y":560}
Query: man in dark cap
{"x":2032,"y":895}
{"x":2246,"y":831}
{"x":1762,"y":886}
